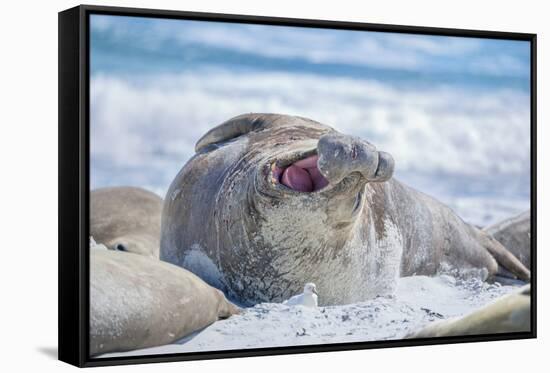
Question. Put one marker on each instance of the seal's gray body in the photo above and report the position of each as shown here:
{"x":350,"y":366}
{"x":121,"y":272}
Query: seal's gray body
{"x":228,"y":219}
{"x":515,"y":235}
{"x":138,"y":302}
{"x":126,"y":219}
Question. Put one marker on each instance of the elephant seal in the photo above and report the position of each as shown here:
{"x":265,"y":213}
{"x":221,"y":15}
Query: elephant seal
{"x":515,"y":235}
{"x":270,"y":202}
{"x":138,"y":302}
{"x":508,"y":314}
{"x":126,"y":219}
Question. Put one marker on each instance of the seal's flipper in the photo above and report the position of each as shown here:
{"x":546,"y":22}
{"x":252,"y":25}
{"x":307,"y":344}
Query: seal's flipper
{"x":507,"y":262}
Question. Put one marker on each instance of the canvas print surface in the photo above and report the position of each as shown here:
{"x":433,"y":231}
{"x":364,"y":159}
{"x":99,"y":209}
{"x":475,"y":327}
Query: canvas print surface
{"x":260,"y":186}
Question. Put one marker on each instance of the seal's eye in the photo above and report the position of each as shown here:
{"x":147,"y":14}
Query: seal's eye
{"x":233,"y":128}
{"x":120,"y":247}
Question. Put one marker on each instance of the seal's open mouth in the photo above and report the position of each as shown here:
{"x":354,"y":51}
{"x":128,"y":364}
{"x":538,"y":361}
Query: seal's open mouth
{"x":303,"y":175}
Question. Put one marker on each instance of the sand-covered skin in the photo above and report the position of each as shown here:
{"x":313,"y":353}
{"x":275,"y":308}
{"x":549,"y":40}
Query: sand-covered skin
{"x":418,"y":301}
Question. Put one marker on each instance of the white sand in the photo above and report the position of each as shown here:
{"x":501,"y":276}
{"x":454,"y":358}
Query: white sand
{"x":418,"y":301}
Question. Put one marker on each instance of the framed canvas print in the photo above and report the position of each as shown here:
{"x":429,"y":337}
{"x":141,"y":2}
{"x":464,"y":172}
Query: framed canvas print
{"x":234,"y":186}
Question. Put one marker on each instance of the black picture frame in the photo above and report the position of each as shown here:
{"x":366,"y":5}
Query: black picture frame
{"x":74,"y":149}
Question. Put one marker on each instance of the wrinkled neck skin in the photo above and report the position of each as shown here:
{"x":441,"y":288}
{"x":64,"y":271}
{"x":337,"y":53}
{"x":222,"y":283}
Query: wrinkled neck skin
{"x":271,"y":240}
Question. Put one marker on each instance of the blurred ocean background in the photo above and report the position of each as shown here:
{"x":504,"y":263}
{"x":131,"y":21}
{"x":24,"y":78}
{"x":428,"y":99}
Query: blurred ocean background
{"x":454,"y":112}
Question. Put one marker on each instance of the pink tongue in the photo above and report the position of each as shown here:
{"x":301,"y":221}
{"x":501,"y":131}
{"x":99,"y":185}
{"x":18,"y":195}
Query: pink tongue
{"x":304,"y":176}
{"x":297,"y":178}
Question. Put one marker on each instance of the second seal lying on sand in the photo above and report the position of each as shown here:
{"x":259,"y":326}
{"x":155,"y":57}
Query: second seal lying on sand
{"x":126,"y":219}
{"x":270,"y":202}
{"x":138,"y":302}
{"x":509,"y":314}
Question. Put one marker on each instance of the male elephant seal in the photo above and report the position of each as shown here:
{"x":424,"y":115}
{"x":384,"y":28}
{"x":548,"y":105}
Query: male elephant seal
{"x":509,"y":314}
{"x":270,"y":202}
{"x":138,"y":302}
{"x":515,"y":235}
{"x":126,"y":219}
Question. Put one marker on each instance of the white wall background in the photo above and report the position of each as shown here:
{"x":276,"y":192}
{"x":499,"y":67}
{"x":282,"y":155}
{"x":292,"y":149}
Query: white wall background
{"x":28,"y":196}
